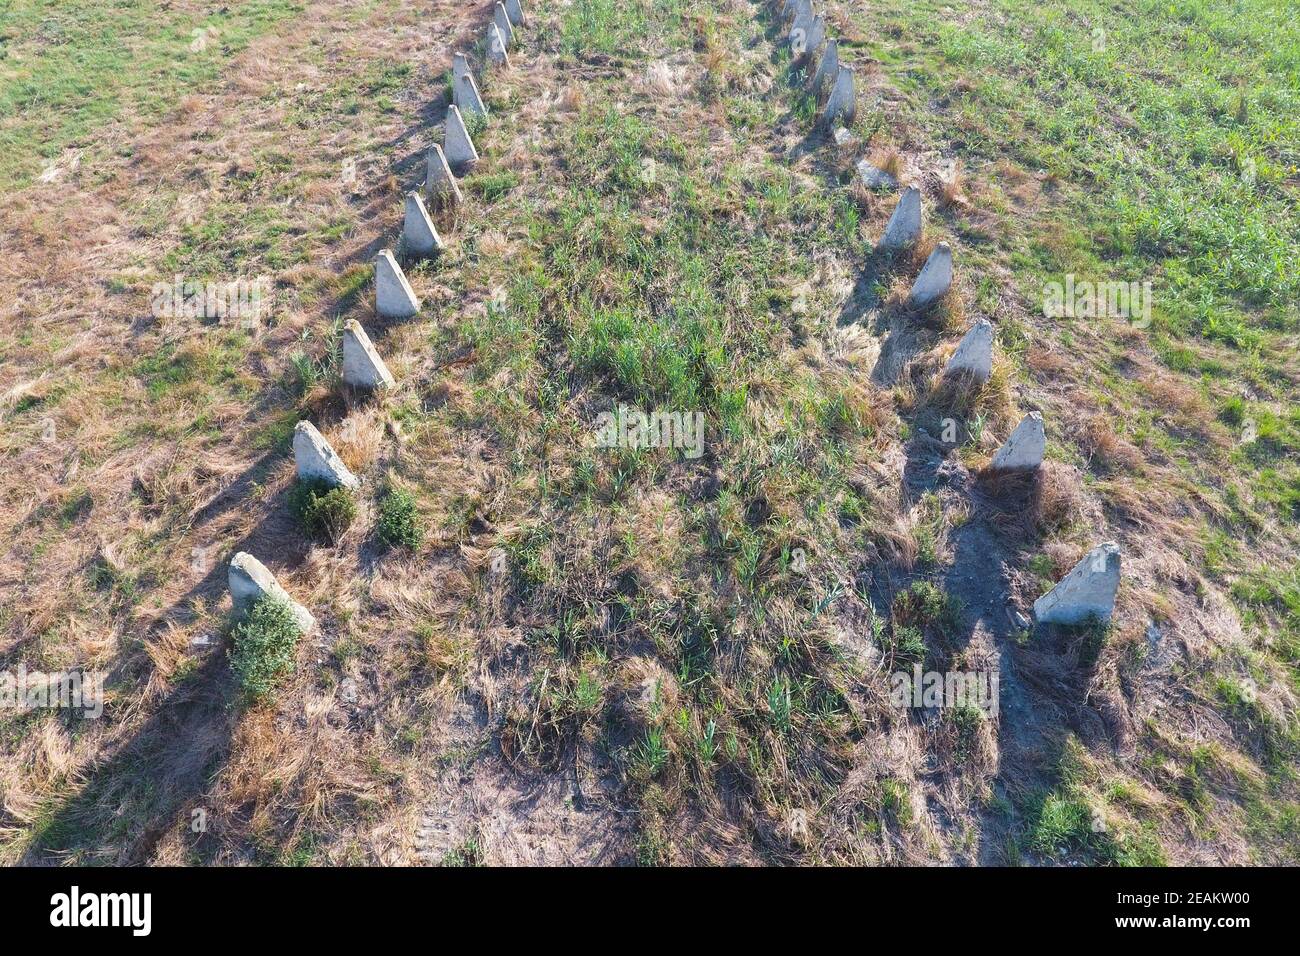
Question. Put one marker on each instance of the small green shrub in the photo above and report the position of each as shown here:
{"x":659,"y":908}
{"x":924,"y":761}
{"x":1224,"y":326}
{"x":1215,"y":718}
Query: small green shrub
{"x":324,"y":512}
{"x":907,"y":645}
{"x":966,"y":720}
{"x":264,"y":644}
{"x":399,"y":521}
{"x":922,"y":605}
{"x":475,"y":123}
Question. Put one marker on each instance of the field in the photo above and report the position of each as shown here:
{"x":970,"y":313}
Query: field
{"x":536,"y":649}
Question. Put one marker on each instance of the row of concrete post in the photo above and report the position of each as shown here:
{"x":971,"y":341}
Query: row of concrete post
{"x":314,"y":458}
{"x":1090,"y":588}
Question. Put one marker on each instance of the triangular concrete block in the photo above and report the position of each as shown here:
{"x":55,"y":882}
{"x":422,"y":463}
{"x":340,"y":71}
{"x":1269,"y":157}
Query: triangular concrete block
{"x":801,"y":14}
{"x":873,"y":177}
{"x":1025,"y":448}
{"x":394,"y":297}
{"x":806,"y":37}
{"x":496,"y":46}
{"x":317,"y":461}
{"x":935,"y":278}
{"x":456,"y":144}
{"x":827,"y":67}
{"x":1087,"y":591}
{"x":842,"y":104}
{"x":974,"y":354}
{"x":502,"y":21}
{"x":464,"y":94}
{"x":418,"y":233}
{"x":438,"y":180}
{"x":250,"y":582}
{"x":362,"y":366}
{"x":800,"y":30}
{"x":904,"y":227}
{"x":816,"y":35}
{"x":459,"y":65}
{"x":515,"y":11}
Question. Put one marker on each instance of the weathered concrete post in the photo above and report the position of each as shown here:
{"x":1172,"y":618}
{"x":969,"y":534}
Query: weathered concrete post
{"x":250,"y":582}
{"x":1024,"y":449}
{"x":842,"y":104}
{"x":1087,"y":591}
{"x":974,"y":353}
{"x":362,"y":366}
{"x":827,"y":67}
{"x":456,"y":144}
{"x":935,"y":278}
{"x":496,"y":46}
{"x":465,"y":96}
{"x":317,"y":461}
{"x":418,"y":232}
{"x":904,"y":227}
{"x":502,"y":21}
{"x":394,"y":297}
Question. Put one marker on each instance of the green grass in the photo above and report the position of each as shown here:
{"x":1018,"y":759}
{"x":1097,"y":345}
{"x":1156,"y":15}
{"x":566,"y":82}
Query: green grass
{"x":204,"y":369}
{"x":1173,"y":146}
{"x":610,"y":27}
{"x":70,"y":67}
{"x":658,"y":274}
{"x":1068,"y":822}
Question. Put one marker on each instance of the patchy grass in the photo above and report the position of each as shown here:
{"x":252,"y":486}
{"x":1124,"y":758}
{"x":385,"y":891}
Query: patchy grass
{"x":698,"y":631}
{"x":71,"y":68}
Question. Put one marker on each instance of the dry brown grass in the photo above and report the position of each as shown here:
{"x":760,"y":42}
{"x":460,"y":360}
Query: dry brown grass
{"x":1032,"y":504}
{"x":190,"y":105}
{"x":888,"y":159}
{"x":1046,"y":362}
{"x":572,"y":99}
{"x":1184,"y":403}
{"x":952,"y":190}
{"x":1106,"y":450}
{"x":959,"y":395}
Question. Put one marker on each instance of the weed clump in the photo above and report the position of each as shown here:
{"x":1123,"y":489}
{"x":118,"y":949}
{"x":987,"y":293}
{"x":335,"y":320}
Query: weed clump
{"x":323,"y":511}
{"x":924,"y":604}
{"x":264,"y":644}
{"x":907,"y":645}
{"x":921,"y":617}
{"x":399,"y":521}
